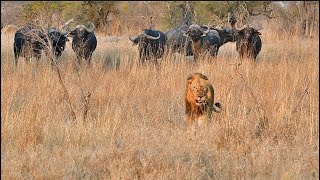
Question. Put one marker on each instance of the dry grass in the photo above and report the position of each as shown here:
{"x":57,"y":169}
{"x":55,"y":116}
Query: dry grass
{"x":268,"y":128}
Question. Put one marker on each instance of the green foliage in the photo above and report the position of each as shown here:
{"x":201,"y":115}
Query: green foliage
{"x":86,"y":11}
{"x":42,"y":11}
{"x":98,"y":12}
{"x":210,"y":11}
{"x":174,"y":16}
{"x":166,"y":14}
{"x":214,"y":12}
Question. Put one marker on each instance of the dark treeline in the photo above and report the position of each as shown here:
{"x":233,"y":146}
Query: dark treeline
{"x":124,"y":17}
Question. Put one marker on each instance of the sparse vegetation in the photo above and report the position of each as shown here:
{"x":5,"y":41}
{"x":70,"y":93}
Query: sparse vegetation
{"x":135,"y":125}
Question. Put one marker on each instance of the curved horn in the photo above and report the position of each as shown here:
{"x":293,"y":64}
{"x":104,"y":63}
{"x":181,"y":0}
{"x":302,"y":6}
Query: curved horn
{"x":51,"y":30}
{"x":229,"y":17}
{"x":67,"y":25}
{"x":208,"y":29}
{"x":219,"y":26}
{"x":185,"y":34}
{"x":151,"y":37}
{"x":236,"y":27}
{"x":132,"y":39}
{"x":92,"y":28}
{"x":182,"y":30}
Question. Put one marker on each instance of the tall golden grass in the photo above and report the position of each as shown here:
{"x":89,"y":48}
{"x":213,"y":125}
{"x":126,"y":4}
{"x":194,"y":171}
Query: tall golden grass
{"x":135,"y":129}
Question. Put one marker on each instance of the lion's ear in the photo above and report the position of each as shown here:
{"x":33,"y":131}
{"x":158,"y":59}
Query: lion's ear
{"x":189,"y":79}
{"x":204,"y":77}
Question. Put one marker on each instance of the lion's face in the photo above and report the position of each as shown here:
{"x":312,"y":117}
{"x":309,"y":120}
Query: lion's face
{"x":200,"y":91}
{"x":198,"y":87}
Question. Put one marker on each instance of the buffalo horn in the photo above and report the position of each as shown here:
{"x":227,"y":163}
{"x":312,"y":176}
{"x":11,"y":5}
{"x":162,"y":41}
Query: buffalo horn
{"x":67,"y":26}
{"x":237,"y":27}
{"x":205,"y":32}
{"x":132,"y":39}
{"x":92,"y":28}
{"x":151,"y":37}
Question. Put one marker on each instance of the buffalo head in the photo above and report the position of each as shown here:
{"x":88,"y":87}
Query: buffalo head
{"x":195,"y":32}
{"x":81,"y":31}
{"x":248,"y":40}
{"x":84,"y":42}
{"x":58,"y":40}
{"x":151,"y":44}
{"x":147,"y":35}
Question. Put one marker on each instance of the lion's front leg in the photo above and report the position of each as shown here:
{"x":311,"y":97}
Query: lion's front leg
{"x":202,"y":119}
{"x":190,"y":119}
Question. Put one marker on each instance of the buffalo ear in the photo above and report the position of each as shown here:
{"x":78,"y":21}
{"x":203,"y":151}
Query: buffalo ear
{"x":256,"y":32}
{"x":241,"y":33}
{"x":186,"y":34}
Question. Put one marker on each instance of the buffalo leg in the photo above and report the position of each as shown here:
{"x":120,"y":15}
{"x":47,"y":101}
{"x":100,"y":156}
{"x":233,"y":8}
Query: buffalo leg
{"x":88,"y":58}
{"x":37,"y":55}
{"x":17,"y":53}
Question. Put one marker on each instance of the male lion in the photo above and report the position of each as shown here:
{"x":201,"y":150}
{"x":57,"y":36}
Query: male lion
{"x":199,"y":99}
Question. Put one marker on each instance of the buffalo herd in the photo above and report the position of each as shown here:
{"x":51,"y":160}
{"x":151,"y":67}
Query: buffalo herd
{"x":188,"y":39}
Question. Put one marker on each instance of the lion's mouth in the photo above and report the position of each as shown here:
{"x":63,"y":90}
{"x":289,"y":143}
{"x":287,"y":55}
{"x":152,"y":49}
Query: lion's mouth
{"x":201,"y":103}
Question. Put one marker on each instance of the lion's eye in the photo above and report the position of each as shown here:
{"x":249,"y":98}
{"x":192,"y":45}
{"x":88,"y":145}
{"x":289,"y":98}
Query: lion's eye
{"x":204,"y":88}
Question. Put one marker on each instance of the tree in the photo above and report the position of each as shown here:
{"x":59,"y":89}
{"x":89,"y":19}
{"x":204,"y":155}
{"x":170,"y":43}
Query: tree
{"x":309,"y":16}
{"x":298,"y":18}
{"x":203,"y":12}
{"x":46,"y":13}
{"x":53,"y":13}
{"x":98,"y":12}
{"x":181,"y":12}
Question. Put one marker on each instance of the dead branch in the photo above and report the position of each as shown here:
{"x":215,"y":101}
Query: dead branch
{"x":306,"y":91}
{"x":49,"y":53}
{"x":86,"y":105}
{"x":268,"y":14}
{"x":251,"y":91}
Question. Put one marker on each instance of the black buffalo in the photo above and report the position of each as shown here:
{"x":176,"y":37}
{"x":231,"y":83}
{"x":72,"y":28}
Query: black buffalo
{"x":31,"y":40}
{"x":203,"y":41}
{"x":151,"y":44}
{"x":58,"y":41}
{"x":248,"y":40}
{"x":225,"y":34}
{"x":84,"y":42}
{"x":177,"y":42}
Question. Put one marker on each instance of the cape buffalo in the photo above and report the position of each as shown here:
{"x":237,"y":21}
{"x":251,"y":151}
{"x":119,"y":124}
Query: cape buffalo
{"x":31,"y":40}
{"x":248,"y":40}
{"x":226,"y":35}
{"x":151,"y":44}
{"x":203,"y":40}
{"x":58,"y":40}
{"x":84,"y":42}
{"x":177,"y":42}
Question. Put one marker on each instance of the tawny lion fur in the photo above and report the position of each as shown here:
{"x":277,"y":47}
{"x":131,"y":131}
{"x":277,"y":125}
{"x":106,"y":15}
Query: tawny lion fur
{"x":199,"y":99}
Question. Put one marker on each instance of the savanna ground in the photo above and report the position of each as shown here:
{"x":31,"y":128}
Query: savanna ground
{"x":268,"y":127}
